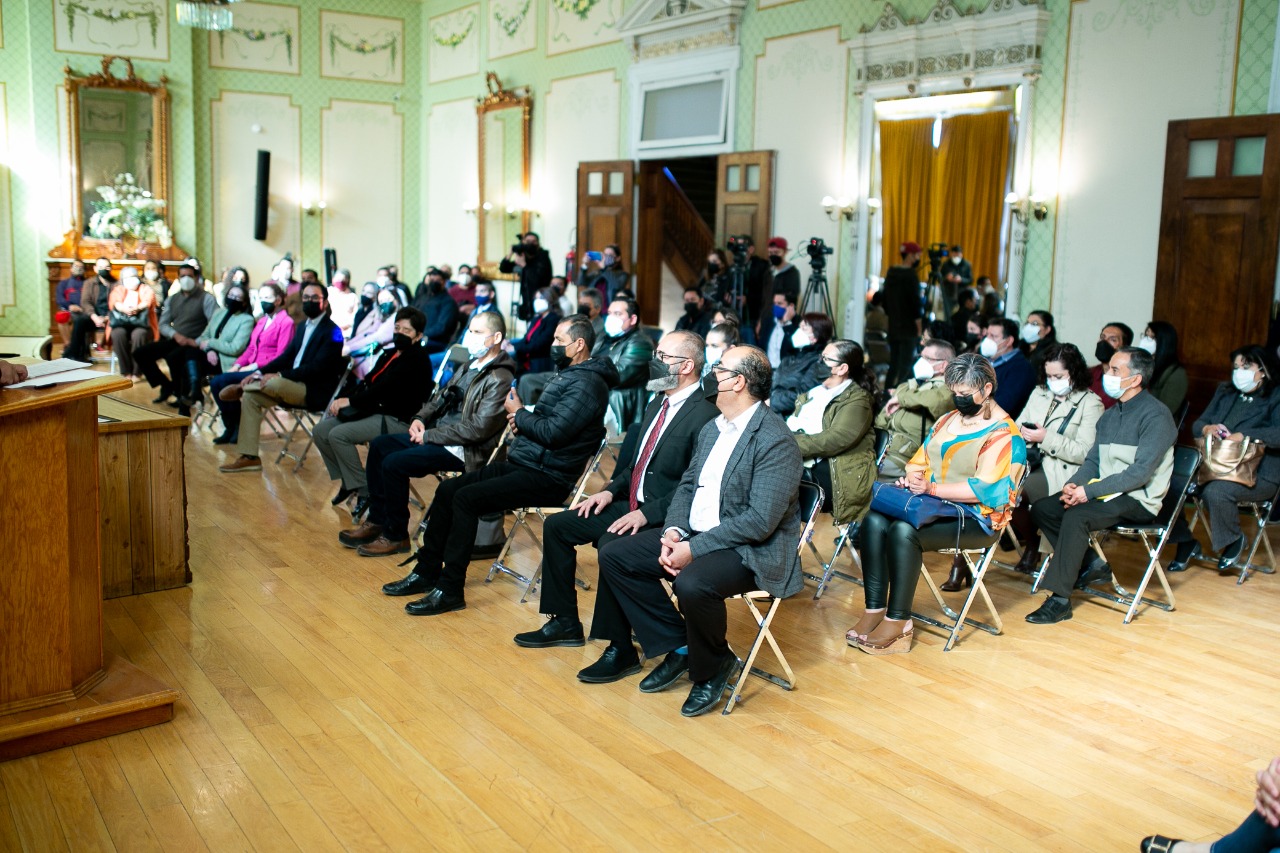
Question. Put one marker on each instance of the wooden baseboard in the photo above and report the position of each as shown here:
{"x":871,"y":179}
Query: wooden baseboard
{"x":125,"y":699}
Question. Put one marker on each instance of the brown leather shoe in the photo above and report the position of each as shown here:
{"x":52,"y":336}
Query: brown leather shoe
{"x":231,"y":393}
{"x":382,"y":546}
{"x":242,"y":463}
{"x":960,"y":576}
{"x":355,"y":536}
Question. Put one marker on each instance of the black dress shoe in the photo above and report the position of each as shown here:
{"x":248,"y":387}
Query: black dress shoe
{"x":1158,"y":844}
{"x":358,"y":511}
{"x":616,"y":663}
{"x":227,"y":438}
{"x":705,"y":695}
{"x":434,"y":603}
{"x":1187,"y":551}
{"x":1231,"y":554}
{"x":666,"y":673}
{"x":411,"y":584}
{"x":1097,"y":570}
{"x":342,"y":495}
{"x":556,"y":631}
{"x":1054,"y":609}
{"x":164,"y":395}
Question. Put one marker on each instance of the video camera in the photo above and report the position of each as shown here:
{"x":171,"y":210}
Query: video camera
{"x":818,"y":250}
{"x":937,"y":252}
{"x":738,"y":248}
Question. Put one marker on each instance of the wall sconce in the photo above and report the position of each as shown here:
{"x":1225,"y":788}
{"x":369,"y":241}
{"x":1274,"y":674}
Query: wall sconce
{"x":1024,"y":207}
{"x":314,"y":208}
{"x":873,"y":206}
{"x":837,"y":207}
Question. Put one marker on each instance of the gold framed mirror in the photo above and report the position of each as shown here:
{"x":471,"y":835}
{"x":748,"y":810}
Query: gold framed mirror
{"x":116,"y":125}
{"x":503,"y":211}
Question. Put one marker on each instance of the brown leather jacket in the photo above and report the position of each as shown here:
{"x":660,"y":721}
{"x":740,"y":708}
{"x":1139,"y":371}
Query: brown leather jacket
{"x":477,"y":424}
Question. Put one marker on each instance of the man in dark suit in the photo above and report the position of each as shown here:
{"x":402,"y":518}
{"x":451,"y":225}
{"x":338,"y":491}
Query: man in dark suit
{"x":305,"y":374}
{"x":638,"y":495}
{"x":732,"y":527}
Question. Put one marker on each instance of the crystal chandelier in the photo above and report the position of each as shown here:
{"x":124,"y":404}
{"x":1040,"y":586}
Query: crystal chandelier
{"x":205,"y":14}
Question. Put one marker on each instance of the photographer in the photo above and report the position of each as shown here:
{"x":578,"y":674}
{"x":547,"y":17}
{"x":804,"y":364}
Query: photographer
{"x":955,"y":274}
{"x":902,"y":304}
{"x":532,"y":263}
{"x":603,"y":271}
{"x":786,"y":278}
{"x":757,"y":290}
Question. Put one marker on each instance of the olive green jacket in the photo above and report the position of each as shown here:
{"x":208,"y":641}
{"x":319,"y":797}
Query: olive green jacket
{"x":920,"y":404}
{"x":848,"y":443}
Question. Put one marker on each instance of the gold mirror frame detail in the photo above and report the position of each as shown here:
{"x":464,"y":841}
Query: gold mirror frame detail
{"x":501,"y":99}
{"x":160,"y":169}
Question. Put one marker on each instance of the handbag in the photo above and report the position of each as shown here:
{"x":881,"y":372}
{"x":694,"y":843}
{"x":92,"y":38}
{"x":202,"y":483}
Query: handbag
{"x":1233,"y":461}
{"x":917,"y":510}
{"x":1035,"y":456}
{"x":121,"y":320}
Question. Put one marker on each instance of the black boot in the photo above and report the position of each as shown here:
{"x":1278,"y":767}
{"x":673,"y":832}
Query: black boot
{"x":1030,"y":559}
{"x":960,"y":576}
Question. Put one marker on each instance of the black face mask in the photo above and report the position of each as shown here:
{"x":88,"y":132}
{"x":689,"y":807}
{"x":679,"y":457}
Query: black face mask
{"x":1103,"y":352}
{"x":658,"y":369}
{"x":235,"y":306}
{"x":268,"y":307}
{"x":584,"y":308}
{"x":776,"y":260}
{"x":386,"y":309}
{"x":965,"y":405}
{"x":973,"y":341}
{"x":691,"y":308}
{"x":822,"y":372}
{"x":713,"y":268}
{"x":106,"y":275}
{"x":366,"y":302}
{"x":312,"y":309}
{"x":559,"y":357}
{"x":401,"y":342}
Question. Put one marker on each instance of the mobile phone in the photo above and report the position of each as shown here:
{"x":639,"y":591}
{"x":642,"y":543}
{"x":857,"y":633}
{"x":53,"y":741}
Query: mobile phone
{"x":1027,"y":425}
{"x":595,"y":256}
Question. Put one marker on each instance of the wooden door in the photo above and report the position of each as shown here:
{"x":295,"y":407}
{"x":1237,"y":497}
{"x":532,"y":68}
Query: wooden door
{"x":744,"y":197}
{"x":1219,"y":233}
{"x":605,"y":204}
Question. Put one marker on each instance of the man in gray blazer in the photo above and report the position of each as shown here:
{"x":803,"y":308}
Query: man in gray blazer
{"x":732,"y":527}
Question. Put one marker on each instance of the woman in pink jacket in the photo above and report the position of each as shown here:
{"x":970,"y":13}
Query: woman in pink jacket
{"x":269,"y":338}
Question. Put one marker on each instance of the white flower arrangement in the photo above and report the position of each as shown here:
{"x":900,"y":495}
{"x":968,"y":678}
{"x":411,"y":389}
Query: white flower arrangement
{"x":126,"y":209}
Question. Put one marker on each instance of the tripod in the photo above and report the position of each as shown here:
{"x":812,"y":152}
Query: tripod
{"x":816,"y":290}
{"x":738,"y":285}
{"x":931,"y":291}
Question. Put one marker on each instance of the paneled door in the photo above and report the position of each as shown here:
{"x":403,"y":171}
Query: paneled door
{"x":605,"y":208}
{"x":1219,"y":234}
{"x":744,"y":197}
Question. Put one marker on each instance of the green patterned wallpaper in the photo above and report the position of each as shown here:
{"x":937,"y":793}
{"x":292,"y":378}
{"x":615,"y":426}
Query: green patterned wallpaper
{"x":1253,"y":62}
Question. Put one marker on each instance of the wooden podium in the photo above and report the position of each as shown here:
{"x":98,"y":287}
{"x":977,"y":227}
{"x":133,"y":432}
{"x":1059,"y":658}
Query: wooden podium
{"x":56,"y":686}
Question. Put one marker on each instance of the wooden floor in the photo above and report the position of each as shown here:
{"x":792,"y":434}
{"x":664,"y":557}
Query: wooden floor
{"x":316,"y":715}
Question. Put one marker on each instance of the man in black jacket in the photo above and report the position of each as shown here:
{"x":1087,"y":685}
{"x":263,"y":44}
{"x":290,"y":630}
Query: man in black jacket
{"x":639,"y":493}
{"x":902,"y":305}
{"x":382,"y":403}
{"x":630,"y":348}
{"x":439,"y":309}
{"x":532,"y":263}
{"x":550,"y":452}
{"x":305,"y":374}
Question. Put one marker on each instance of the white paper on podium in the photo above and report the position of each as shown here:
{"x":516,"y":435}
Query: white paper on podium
{"x":42,"y":374}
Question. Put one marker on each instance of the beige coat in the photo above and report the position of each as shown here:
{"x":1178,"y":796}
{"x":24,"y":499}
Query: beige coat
{"x":1063,"y":454}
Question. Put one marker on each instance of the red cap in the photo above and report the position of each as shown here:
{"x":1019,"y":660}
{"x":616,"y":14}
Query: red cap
{"x":910,"y":248}
{"x":780,"y":242}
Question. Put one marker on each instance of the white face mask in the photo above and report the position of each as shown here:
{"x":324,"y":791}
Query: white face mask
{"x":187,"y":283}
{"x":1147,"y":343}
{"x":463,"y":279}
{"x":540,"y":305}
{"x":988,"y":348}
{"x":383,"y":281}
{"x":713,"y":355}
{"x":922,"y":369}
{"x":800,"y":339}
{"x":1030,"y":333}
{"x":132,"y":282}
{"x":151,"y":275}
{"x":612,"y":325}
{"x":1113,"y":386}
{"x":1059,"y":387}
{"x":475,"y":344}
{"x":1244,"y":379}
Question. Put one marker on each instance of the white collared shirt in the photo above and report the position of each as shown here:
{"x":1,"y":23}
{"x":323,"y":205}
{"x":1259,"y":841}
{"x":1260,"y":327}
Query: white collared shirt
{"x":704,"y":513}
{"x":773,"y":348}
{"x":308,"y":329}
{"x":674,"y":402}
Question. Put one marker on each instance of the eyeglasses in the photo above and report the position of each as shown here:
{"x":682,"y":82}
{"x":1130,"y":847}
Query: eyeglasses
{"x":668,"y":358}
{"x":312,"y":299}
{"x":834,"y":362}
{"x":731,"y":371}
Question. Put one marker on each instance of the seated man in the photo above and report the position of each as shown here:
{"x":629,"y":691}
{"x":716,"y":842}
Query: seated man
{"x":1111,"y":339}
{"x":638,"y":495}
{"x":482,"y":302}
{"x":732,"y":527}
{"x":438,"y":307}
{"x":1015,"y":377}
{"x":630,"y":348}
{"x":184,"y":317}
{"x":305,"y":374}
{"x":94,"y":311}
{"x":454,"y":431}
{"x":591,"y":303}
{"x":913,"y":407}
{"x":549,"y":453}
{"x":697,"y":314}
{"x":1123,"y":481}
{"x":382,"y":403}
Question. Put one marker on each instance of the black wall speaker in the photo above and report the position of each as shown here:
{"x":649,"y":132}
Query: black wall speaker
{"x":260,"y":196}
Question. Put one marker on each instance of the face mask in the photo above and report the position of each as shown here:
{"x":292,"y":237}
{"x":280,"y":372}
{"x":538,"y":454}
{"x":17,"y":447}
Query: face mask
{"x":1030,"y":333}
{"x":1103,"y":352}
{"x":401,"y":342}
{"x":475,"y":344}
{"x":383,"y":281}
{"x":559,"y":357}
{"x":822,"y":372}
{"x":691,"y":309}
{"x":366,"y":302}
{"x":800,"y":339}
{"x":713,"y":267}
{"x":584,"y":308}
{"x":971,"y":340}
{"x":608,"y":261}
{"x":312,"y":309}
{"x":282,"y":275}
{"x":386,"y":309}
{"x":779,"y":311}
{"x":1243,"y":378}
{"x":105,"y":272}
{"x":922,"y":370}
{"x":187,"y":283}
{"x":965,"y":404}
{"x":776,"y":260}
{"x":988,"y":348}
{"x":463,"y":279}
{"x":131,"y":283}
{"x":235,"y":306}
{"x":660,"y":376}
{"x":540,"y":305}
{"x":267,"y":307}
{"x":613,"y":326}
{"x":482,"y":301}
{"x":1059,"y":387}
{"x":1113,"y":386}
{"x":151,"y":275}
{"x":713,"y":355}
{"x":1147,"y":343}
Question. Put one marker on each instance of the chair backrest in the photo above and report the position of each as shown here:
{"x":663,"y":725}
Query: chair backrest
{"x":501,"y":445}
{"x":811,"y":496}
{"x":882,"y":445}
{"x":580,"y":489}
{"x":1181,"y":415}
{"x":1186,"y":461}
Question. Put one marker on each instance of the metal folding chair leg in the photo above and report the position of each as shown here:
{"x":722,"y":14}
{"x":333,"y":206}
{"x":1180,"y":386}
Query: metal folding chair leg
{"x":1261,"y":513}
{"x":829,"y":568}
{"x":273,"y":421}
{"x":1132,"y":600}
{"x":305,"y":421}
{"x":979,"y":588}
{"x":763,"y":634}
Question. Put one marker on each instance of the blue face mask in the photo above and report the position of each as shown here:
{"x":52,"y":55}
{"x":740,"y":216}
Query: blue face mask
{"x":779,"y":311}
{"x":482,"y":301}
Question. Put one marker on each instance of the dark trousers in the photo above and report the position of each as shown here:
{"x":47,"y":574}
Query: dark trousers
{"x":188,"y":366}
{"x":1068,"y":530}
{"x":902,"y":353}
{"x":630,"y":566}
{"x":893,"y":552}
{"x":1255,"y":835}
{"x":392,"y":462}
{"x":1221,"y":501}
{"x":148,"y":361}
{"x":561,"y":534}
{"x":82,"y":331}
{"x":230,"y":409}
{"x":456,"y":510}
{"x":125,"y":340}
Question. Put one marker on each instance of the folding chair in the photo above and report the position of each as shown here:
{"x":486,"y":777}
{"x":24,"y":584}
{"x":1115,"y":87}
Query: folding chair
{"x":304,"y":421}
{"x":847,"y":532}
{"x":206,"y":410}
{"x":810,"y":503}
{"x":978,"y":561}
{"x":1262,"y":517}
{"x":424,"y":505}
{"x":1185,"y":462}
{"x":522,"y":520}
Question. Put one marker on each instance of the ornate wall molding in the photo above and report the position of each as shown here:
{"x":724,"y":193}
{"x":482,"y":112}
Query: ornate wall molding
{"x":655,"y":28}
{"x":949,"y":45}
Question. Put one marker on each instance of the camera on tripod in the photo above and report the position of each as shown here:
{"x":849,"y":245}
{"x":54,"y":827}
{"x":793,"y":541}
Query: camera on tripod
{"x":937,"y":252}
{"x":818,"y":250}
{"x":738,"y":248}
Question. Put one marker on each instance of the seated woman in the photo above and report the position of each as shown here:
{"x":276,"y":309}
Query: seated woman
{"x":974,"y":455}
{"x":1169,"y":382}
{"x":533,"y":351}
{"x":1060,"y":419}
{"x":269,"y":337}
{"x":131,"y":319}
{"x":1038,"y":337}
{"x":1247,"y":406}
{"x":217,"y":348}
{"x":832,"y":425}
{"x":799,"y":371}
{"x":364,"y":348}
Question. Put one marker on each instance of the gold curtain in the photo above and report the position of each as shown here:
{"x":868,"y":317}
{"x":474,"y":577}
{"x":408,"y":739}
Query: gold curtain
{"x":953,"y":194}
